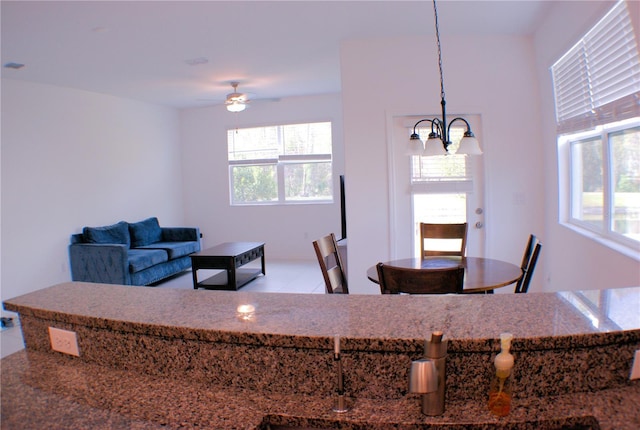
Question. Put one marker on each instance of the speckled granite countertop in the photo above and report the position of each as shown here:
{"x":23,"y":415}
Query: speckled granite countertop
{"x":307,"y":316}
{"x":146,"y":359}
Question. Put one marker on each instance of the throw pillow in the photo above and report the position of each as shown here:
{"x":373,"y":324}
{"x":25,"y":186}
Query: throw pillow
{"x":116,"y":233}
{"x":145,"y":232}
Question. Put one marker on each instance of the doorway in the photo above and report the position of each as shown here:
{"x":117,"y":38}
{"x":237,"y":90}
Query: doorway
{"x":442,"y":189}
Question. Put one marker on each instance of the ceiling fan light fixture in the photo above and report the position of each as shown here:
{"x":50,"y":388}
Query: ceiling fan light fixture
{"x":236,"y":102}
{"x":236,"y":106}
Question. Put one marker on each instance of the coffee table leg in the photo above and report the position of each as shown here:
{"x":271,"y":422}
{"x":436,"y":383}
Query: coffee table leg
{"x":195,"y":276}
{"x":231,"y":274}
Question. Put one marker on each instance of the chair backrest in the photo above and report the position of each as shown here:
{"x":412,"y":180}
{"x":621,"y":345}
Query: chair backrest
{"x":396,"y":280}
{"x":529,"y":260}
{"x":443,"y":231}
{"x":331,"y":264}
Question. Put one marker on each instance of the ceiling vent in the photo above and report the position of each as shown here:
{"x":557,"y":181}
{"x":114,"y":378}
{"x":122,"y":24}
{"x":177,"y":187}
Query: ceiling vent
{"x":15,"y":66}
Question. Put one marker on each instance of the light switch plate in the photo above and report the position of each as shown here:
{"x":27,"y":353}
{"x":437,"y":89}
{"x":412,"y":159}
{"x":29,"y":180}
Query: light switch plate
{"x":64,"y":341}
{"x":635,"y":366}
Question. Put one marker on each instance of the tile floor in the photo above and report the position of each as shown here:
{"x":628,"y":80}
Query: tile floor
{"x":282,"y":277}
{"x":10,"y":337}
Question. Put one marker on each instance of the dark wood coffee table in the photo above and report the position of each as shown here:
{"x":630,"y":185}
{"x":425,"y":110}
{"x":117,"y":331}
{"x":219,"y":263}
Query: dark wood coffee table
{"x":228,"y":256}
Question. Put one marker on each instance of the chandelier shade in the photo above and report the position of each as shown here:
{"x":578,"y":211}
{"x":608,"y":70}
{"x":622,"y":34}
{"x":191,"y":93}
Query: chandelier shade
{"x":469,"y":145}
{"x":433,"y":146}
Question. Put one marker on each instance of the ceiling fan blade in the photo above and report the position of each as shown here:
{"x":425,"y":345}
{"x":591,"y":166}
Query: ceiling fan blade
{"x":238,"y":98}
{"x":266,"y":99}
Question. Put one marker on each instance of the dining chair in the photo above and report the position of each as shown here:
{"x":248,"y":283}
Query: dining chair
{"x":447,"y":232}
{"x":331,"y":264}
{"x":529,"y":260}
{"x":396,"y":280}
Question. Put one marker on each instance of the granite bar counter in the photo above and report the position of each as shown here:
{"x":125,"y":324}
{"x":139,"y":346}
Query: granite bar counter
{"x":161,"y":358}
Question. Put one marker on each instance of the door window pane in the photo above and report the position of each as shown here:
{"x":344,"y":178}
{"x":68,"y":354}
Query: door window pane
{"x":439,"y":209}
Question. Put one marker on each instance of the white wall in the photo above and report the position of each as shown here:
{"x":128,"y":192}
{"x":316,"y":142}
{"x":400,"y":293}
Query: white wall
{"x":70,"y":159}
{"x":572,"y":261}
{"x":505,"y":79}
{"x":287,"y":230}
{"x":488,"y":75}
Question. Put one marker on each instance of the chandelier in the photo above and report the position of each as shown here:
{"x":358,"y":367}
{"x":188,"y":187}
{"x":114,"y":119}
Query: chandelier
{"x":439,"y":141}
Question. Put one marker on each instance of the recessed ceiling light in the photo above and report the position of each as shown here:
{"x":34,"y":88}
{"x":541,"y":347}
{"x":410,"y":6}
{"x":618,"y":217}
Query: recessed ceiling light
{"x":197,"y":61}
{"x":15,"y":66}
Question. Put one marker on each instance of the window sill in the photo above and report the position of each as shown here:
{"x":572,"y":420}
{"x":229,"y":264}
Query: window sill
{"x":616,"y":246}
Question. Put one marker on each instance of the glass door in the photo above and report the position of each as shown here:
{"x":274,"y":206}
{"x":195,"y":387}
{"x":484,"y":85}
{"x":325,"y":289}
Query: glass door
{"x":442,"y":189}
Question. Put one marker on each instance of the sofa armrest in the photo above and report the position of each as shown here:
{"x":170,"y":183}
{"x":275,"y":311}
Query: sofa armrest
{"x":101,"y":263}
{"x":180,"y":234}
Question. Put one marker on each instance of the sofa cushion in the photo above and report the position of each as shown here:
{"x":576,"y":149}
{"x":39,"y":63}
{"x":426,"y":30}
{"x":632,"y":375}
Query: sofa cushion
{"x":175,"y":249}
{"x":116,"y":233}
{"x":140,"y":259}
{"x":145,"y":232}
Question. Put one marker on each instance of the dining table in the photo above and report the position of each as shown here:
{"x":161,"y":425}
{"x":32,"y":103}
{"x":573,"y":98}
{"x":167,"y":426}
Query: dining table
{"x":481,"y":275}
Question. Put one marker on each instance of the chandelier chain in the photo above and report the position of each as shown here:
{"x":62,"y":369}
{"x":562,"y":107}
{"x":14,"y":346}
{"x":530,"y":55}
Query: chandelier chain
{"x":439,"y":126}
{"x":435,"y":13}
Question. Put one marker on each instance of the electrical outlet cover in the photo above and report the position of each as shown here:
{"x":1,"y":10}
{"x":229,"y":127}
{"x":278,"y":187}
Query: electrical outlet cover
{"x":64,"y":341}
{"x":635,"y":366}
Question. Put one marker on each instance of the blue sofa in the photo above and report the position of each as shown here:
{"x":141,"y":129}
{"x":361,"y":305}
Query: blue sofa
{"x":139,"y":253}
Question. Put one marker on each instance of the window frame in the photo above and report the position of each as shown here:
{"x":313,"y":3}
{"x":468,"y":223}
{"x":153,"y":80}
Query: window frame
{"x":603,"y":233}
{"x":279,"y":162}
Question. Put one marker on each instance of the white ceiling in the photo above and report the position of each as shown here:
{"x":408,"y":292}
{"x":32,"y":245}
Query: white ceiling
{"x":276,"y":49}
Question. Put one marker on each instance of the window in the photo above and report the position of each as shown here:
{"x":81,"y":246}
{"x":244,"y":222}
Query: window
{"x":605,"y":180}
{"x":281,"y":164}
{"x":597,"y":87}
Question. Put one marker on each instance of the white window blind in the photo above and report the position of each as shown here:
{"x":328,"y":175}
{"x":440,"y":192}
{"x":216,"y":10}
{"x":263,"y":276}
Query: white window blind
{"x":598,"y":80}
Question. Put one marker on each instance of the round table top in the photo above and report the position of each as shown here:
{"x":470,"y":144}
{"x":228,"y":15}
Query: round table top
{"x":480,"y":274}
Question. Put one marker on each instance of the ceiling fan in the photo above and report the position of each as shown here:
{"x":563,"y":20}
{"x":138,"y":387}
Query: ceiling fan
{"x":236,"y":102}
